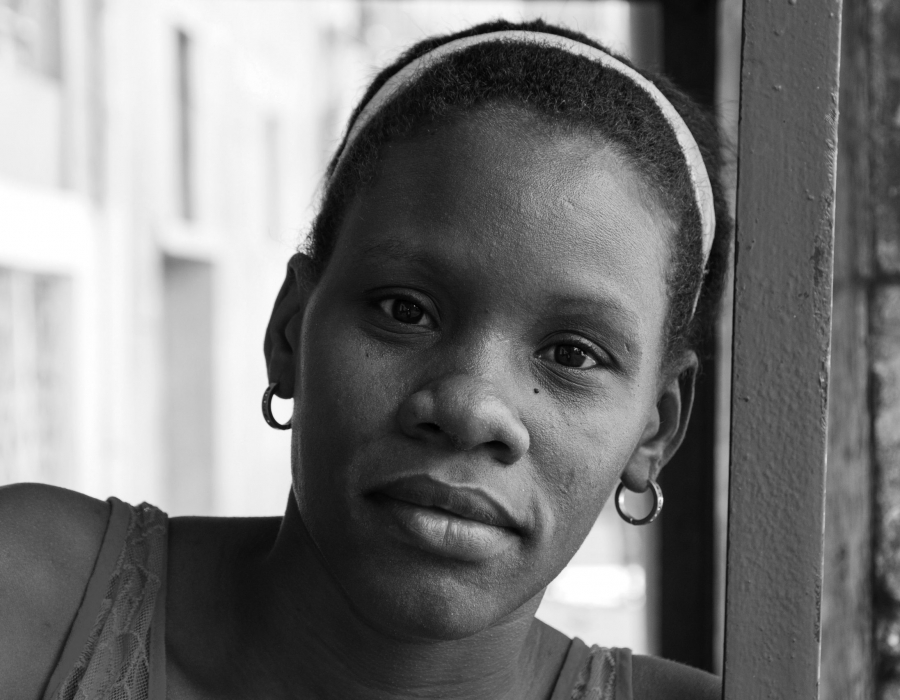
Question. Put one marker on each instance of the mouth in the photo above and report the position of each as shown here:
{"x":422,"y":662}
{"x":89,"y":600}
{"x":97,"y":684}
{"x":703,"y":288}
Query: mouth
{"x":458,"y":522}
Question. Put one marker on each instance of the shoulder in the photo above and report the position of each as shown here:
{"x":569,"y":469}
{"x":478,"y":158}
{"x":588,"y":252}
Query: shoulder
{"x":49,"y":540}
{"x":49,"y":530}
{"x":659,"y":679}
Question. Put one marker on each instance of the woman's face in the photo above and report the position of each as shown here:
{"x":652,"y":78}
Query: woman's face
{"x":478,"y":364}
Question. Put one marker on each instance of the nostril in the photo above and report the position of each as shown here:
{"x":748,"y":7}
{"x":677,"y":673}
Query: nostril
{"x":459,"y":413}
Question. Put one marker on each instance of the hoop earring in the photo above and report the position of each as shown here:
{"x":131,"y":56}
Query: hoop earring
{"x":267,"y":409}
{"x":647,"y":519}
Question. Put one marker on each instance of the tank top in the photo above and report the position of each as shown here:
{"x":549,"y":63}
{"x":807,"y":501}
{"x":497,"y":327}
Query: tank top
{"x":116,"y":645}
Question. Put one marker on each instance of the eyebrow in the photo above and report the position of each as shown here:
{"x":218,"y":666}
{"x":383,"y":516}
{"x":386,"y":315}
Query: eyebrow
{"x":615,"y":321}
{"x":586,"y":305}
{"x":393,"y":249}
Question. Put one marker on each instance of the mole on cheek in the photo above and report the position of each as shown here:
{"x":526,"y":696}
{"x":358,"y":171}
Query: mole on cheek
{"x":537,"y":391}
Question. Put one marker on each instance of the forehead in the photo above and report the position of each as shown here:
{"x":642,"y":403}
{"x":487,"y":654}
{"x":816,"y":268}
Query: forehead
{"x":503,"y":191}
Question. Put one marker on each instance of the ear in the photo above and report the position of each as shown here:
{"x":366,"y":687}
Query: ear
{"x":665,"y":427}
{"x":282,"y":342}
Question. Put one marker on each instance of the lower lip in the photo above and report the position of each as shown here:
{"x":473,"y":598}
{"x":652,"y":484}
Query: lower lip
{"x":446,"y":534}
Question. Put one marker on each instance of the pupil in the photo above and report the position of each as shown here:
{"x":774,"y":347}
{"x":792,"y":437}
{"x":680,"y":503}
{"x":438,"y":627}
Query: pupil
{"x":407,"y":312}
{"x":570,"y":356}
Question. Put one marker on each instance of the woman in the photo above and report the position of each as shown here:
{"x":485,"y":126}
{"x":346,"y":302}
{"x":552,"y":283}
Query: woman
{"x":521,"y":241}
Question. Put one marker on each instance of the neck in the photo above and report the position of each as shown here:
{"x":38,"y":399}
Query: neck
{"x":303,"y":628}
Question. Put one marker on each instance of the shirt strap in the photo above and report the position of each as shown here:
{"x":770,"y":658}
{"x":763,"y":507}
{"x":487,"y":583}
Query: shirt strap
{"x":157,"y":689}
{"x":86,"y":617}
{"x":624,"y":690}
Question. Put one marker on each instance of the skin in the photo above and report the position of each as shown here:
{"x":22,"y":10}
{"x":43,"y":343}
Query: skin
{"x":447,"y":458}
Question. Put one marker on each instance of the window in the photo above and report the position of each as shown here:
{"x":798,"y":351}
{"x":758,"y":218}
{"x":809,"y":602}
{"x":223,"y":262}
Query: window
{"x":30,"y":29}
{"x":272,"y":177}
{"x":35,"y":406}
{"x":184,"y":126}
{"x":188,"y":407}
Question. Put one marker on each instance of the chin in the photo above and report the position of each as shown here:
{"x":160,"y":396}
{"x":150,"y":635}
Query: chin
{"x":408,"y":593}
{"x":422,"y":604}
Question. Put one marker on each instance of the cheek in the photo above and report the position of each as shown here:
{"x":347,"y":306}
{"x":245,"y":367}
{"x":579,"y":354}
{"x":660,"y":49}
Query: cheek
{"x":581,"y":458}
{"x":349,"y":395}
{"x":337,"y":387}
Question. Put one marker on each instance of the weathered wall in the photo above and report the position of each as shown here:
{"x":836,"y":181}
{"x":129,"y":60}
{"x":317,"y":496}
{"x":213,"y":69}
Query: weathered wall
{"x":861,"y":596}
{"x":884,"y":327}
{"x":846,"y":605}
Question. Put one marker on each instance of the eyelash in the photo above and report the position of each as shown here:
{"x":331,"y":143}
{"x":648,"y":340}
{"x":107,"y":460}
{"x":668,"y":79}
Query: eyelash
{"x":600,"y":359}
{"x":386,"y":304}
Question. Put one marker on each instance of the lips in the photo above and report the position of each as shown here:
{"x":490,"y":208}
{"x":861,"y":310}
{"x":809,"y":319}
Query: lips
{"x":459,"y":522}
{"x":464,"y":501}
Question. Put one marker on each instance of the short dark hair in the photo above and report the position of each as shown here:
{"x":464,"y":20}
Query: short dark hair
{"x":568,"y":90}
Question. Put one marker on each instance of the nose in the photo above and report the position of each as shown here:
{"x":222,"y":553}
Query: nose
{"x":465,"y":413}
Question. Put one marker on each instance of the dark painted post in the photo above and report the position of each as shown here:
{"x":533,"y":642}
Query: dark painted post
{"x":687,"y":543}
{"x":782,"y":322}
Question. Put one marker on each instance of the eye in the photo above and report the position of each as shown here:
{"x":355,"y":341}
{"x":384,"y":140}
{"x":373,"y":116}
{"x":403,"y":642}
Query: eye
{"x":404,"y":311}
{"x":569,"y":355}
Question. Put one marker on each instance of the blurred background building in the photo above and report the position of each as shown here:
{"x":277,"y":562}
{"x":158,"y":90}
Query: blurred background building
{"x":159,"y":164}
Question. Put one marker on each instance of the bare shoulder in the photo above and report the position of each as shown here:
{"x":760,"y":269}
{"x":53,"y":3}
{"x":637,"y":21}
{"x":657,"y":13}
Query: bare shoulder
{"x":48,"y":530}
{"x":49,"y":540}
{"x":659,"y":679}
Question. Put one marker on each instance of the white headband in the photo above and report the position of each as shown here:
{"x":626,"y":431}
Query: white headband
{"x":694,"y":159}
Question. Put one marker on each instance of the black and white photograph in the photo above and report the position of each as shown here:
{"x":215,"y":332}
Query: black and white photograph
{"x":449,"y":349}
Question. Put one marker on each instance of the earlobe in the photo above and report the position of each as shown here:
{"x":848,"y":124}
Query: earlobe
{"x":665,"y":428}
{"x":283,"y":332}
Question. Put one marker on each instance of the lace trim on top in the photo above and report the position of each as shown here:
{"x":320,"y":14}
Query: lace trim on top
{"x":594,"y":673}
{"x":115,"y":660}
{"x":116,"y":649}
{"x":597,"y":678}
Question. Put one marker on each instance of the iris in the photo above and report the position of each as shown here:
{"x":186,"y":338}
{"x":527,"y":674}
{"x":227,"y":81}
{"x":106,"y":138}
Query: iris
{"x":407,"y":311}
{"x":571,"y":356}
